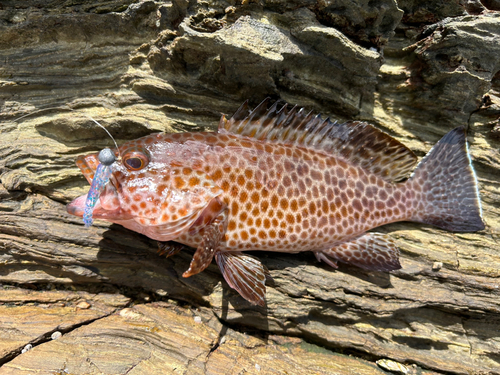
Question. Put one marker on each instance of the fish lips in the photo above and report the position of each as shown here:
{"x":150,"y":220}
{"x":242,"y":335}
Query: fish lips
{"x":77,"y":208}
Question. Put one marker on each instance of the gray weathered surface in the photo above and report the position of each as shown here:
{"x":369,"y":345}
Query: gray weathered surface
{"x":176,"y":66}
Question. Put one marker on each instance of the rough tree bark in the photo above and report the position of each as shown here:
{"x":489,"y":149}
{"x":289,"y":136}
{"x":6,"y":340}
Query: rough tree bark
{"x":413,"y":69}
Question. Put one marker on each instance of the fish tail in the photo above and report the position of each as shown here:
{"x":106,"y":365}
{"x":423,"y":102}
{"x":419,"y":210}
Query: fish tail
{"x":444,"y":185}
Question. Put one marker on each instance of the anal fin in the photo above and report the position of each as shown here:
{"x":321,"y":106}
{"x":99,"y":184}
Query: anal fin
{"x":212,"y":236}
{"x":371,"y":251}
{"x":245,"y":274}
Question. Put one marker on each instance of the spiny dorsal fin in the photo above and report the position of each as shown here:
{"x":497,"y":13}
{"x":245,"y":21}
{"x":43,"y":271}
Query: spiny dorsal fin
{"x":354,"y":141}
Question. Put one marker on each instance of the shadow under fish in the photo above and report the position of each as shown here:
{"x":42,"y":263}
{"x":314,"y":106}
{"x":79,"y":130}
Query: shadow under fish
{"x":280,"y":179}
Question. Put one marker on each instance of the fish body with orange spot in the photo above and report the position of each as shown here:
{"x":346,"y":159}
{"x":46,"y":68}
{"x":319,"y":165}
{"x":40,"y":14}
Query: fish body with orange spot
{"x":279,"y":179}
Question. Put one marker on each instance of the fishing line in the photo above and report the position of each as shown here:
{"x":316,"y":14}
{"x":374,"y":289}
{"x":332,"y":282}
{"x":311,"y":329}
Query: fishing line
{"x":84,"y":114}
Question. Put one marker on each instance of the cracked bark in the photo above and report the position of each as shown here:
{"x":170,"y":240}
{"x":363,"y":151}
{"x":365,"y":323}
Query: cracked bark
{"x":161,"y":66}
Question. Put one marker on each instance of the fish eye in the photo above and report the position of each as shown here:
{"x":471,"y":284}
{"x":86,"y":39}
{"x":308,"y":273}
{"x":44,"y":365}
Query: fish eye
{"x":135,"y":160}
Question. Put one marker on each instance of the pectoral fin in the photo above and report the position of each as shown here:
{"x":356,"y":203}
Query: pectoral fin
{"x":371,"y":251}
{"x":212,"y":235}
{"x":245,"y":274}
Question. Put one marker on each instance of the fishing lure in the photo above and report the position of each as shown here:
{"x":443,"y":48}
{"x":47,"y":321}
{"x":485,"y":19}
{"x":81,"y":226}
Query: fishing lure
{"x":101,"y":178}
{"x":102,"y":174}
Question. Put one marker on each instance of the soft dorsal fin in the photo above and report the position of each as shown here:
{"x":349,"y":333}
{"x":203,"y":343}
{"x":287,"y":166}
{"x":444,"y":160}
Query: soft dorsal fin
{"x":353,"y":141}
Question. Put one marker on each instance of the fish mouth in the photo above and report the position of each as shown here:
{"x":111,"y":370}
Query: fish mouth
{"x":107,"y":206}
{"x":77,"y":208}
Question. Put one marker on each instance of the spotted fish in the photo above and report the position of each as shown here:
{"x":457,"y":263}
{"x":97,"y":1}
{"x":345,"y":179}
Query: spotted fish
{"x":282,"y":179}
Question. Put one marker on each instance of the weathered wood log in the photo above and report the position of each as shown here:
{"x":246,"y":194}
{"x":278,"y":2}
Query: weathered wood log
{"x":150,"y":66}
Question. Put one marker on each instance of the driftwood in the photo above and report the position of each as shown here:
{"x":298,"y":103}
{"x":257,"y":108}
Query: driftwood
{"x":413,"y":69}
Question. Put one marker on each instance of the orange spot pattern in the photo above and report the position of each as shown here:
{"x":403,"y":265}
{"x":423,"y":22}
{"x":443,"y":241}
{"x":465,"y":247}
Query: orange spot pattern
{"x":289,"y":198}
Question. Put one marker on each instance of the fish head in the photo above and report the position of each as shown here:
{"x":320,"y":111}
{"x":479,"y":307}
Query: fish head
{"x":157,"y":187}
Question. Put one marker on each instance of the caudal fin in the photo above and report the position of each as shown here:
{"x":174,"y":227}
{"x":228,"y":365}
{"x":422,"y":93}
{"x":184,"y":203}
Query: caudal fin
{"x":446,"y":185}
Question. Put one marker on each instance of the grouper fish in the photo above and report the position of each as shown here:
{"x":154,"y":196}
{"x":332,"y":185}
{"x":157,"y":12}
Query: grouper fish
{"x":282,"y":179}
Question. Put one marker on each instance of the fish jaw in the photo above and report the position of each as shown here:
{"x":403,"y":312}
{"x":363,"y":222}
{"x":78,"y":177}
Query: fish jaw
{"x":106,"y":208}
{"x":77,"y":206}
